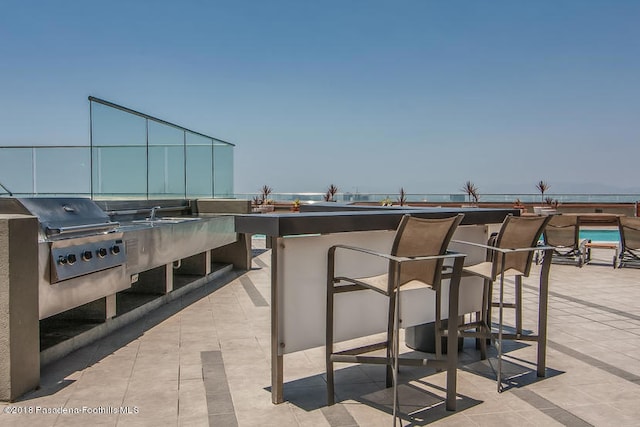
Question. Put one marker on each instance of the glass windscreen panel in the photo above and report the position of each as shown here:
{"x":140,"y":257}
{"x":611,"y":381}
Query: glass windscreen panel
{"x":166,"y":161}
{"x":136,"y":155}
{"x":199,"y":159}
{"x":62,"y":171}
{"x":113,"y":127}
{"x":118,"y":153}
{"x":119,"y":172}
{"x":17,"y":170}
{"x":222,"y":170}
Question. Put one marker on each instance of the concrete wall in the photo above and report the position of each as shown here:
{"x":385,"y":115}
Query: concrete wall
{"x":238,"y":253}
{"x":223,"y":206}
{"x":628,"y":209}
{"x":19,"y":325}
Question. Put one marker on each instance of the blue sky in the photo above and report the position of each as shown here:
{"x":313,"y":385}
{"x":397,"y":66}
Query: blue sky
{"x":368,"y":95}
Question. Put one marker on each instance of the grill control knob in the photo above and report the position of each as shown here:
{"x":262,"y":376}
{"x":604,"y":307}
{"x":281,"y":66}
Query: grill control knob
{"x":102,"y":252}
{"x":115,"y":249}
{"x":71,"y":259}
{"x":62,"y":260}
{"x":87,"y":255}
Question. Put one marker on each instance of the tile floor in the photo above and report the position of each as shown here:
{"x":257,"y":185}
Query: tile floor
{"x":203,"y":360}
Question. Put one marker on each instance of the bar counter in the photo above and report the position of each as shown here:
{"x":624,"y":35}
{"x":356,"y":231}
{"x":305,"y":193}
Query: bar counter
{"x":317,"y":219}
{"x":299,"y":243}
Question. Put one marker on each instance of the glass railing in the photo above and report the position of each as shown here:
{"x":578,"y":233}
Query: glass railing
{"x":50,"y":170}
{"x":131,"y":155}
{"x":65,"y":171}
{"x":449,"y":197}
{"x":134,"y":153}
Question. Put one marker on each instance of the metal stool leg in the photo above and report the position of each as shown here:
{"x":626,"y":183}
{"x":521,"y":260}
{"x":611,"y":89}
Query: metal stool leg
{"x":396,"y":361}
{"x":329,"y":349}
{"x":518,"y":303}
{"x":500,"y":325}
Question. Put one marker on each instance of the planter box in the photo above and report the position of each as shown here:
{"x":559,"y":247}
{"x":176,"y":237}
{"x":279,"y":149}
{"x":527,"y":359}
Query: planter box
{"x":263,"y":209}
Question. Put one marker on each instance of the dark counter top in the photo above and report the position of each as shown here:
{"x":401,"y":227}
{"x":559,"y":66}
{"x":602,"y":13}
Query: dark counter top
{"x":338,"y":220}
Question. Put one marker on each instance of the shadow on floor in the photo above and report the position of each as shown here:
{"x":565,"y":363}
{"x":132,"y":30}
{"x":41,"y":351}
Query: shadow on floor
{"x":258,"y":252}
{"x":421,"y":401}
{"x":53,"y":375}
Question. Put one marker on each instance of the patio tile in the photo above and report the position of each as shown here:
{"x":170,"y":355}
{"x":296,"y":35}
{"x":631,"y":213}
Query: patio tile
{"x":208,"y":363}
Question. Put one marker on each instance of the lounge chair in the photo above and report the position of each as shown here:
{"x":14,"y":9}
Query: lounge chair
{"x":562,"y":232}
{"x":629,"y":254}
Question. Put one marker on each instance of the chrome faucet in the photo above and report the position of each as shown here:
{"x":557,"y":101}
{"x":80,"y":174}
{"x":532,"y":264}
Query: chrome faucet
{"x":152,"y":216}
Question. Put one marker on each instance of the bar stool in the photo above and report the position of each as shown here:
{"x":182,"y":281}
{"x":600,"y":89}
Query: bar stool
{"x":416,"y":260}
{"x":511,"y":256}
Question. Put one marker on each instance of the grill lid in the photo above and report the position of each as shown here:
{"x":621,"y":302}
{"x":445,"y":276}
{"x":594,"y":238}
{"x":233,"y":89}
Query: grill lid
{"x":58,"y":215}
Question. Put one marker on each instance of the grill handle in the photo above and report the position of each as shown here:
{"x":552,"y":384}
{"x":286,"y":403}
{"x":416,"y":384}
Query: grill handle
{"x":82,"y":228}
{"x":146,"y":210}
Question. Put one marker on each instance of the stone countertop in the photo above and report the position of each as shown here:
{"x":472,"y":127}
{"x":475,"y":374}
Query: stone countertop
{"x":338,"y":221}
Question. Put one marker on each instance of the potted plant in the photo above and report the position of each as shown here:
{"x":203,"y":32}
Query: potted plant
{"x":330,"y":195}
{"x":386,"y":202}
{"x":263,"y":202}
{"x":295,"y":207}
{"x":542,"y":187}
{"x":255,"y":204}
{"x":552,"y":205}
{"x":518,"y":205}
{"x":402,"y":199}
{"x":472,"y":192}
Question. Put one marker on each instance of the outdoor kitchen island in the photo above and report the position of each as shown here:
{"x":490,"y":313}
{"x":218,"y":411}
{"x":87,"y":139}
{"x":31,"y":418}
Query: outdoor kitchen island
{"x":299,"y":243}
{"x":73,"y":270}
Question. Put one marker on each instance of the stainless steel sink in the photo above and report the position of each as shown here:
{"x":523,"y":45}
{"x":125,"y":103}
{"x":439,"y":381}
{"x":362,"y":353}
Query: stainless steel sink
{"x":151,"y":244}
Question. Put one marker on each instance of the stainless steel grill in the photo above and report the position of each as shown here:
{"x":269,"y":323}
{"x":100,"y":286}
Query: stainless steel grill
{"x":82,"y":256}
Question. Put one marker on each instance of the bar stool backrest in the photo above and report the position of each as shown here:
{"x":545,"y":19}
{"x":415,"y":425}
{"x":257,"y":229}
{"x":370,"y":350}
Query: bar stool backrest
{"x":417,"y":237}
{"x":515,"y":233}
